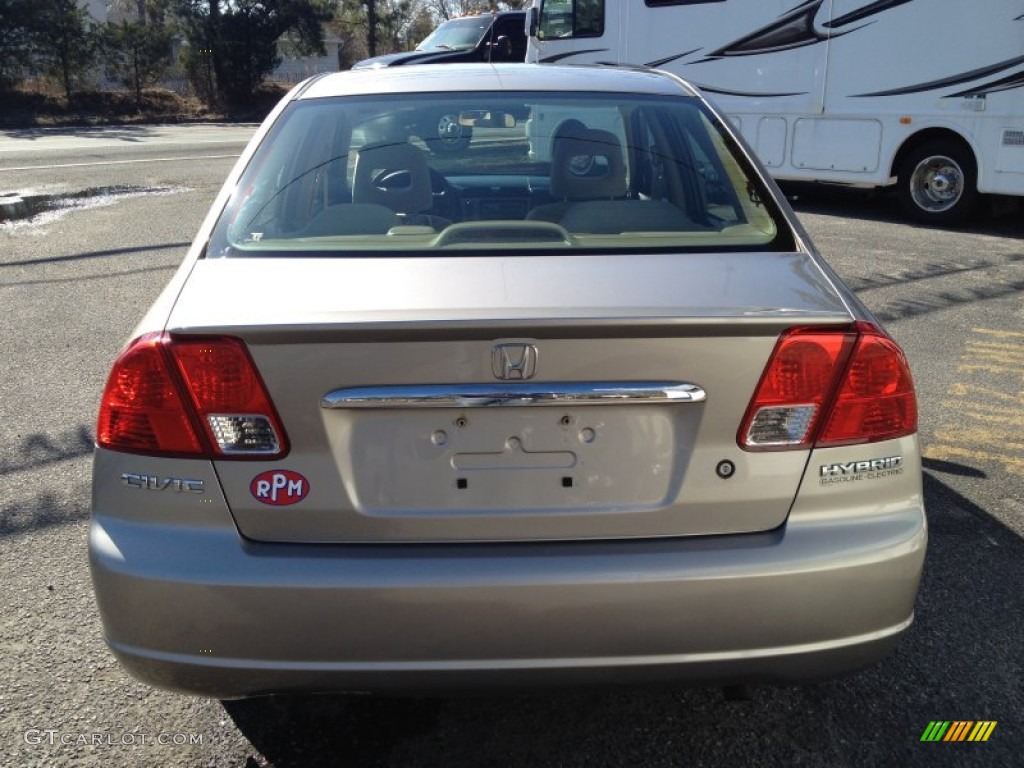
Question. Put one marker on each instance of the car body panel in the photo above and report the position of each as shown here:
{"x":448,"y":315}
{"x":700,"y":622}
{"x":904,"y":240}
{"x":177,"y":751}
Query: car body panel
{"x":633,"y":477}
{"x":793,"y":604}
{"x":644,"y":470}
{"x":488,"y":77}
{"x":295,"y":292}
{"x":673,"y":555}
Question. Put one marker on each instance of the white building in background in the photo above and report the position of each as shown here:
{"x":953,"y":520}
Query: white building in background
{"x":97,"y":9}
{"x":293,"y":69}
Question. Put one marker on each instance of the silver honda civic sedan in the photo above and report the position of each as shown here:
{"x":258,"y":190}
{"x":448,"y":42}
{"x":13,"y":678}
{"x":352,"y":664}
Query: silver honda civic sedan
{"x":579,"y":403}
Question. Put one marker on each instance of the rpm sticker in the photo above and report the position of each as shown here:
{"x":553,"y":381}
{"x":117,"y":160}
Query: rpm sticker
{"x":279,"y":487}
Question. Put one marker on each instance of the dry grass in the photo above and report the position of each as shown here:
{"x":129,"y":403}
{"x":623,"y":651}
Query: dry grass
{"x":41,"y":104}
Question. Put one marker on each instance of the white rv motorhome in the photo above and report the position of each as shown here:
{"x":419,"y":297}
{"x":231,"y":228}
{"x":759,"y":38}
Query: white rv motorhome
{"x":929,"y":93}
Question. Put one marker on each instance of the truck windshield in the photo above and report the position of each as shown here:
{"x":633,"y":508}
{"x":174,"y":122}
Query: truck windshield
{"x":457,"y":34}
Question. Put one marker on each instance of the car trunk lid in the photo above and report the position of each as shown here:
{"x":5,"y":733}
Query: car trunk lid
{"x":509,"y":398}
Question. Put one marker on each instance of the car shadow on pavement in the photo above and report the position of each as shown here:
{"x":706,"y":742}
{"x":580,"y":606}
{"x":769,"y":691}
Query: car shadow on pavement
{"x":923,"y":302}
{"x":43,"y":509}
{"x":94,"y":254}
{"x":917,"y":306}
{"x":129,"y":133}
{"x":79,"y":279}
{"x":961,"y":660}
{"x":40,"y":448}
{"x":881,"y":205}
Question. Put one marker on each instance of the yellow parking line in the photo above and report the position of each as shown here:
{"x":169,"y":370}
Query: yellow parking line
{"x":1013,"y":465}
{"x":988,"y":354}
{"x":995,"y":410}
{"x":1004,"y":417}
{"x":971,"y":390}
{"x":1004,"y":346}
{"x":989,"y":399}
{"x":971,"y":367}
{"x":1001,"y":334}
{"x":980,"y":437}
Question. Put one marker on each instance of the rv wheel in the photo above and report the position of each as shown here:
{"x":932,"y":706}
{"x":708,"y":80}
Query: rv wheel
{"x":445,"y":134}
{"x":938,"y":183}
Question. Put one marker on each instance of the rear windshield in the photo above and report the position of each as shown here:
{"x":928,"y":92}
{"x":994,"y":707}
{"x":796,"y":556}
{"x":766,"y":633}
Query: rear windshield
{"x":497,"y":173}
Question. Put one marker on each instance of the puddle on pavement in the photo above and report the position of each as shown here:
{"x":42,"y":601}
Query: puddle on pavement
{"x":38,"y":209}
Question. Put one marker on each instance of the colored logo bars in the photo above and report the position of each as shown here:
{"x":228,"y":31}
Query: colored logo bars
{"x":958,"y":730}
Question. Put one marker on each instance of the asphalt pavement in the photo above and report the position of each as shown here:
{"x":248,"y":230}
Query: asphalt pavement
{"x":74,"y":283}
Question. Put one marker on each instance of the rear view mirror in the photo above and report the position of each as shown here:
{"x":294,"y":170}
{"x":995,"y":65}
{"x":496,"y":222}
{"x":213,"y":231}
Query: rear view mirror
{"x":501,"y":49}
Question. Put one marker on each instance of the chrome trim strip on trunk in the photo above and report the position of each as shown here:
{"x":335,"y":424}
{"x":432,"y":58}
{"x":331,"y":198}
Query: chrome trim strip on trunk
{"x":508,"y":394}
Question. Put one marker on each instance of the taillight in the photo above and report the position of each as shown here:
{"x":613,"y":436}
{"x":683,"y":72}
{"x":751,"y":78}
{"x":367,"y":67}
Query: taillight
{"x":228,"y":396}
{"x":876,"y":399}
{"x":826,"y":387}
{"x":142,"y":410}
{"x":189,"y":396}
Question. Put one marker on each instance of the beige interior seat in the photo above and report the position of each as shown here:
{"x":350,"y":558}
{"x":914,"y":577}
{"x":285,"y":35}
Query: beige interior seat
{"x":395,"y":174}
{"x":586,"y":164}
{"x":589,"y":174}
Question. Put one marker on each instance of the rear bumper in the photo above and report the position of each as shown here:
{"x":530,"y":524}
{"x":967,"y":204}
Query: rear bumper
{"x":203,"y":611}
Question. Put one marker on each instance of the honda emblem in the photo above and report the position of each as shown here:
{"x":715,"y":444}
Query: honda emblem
{"x":514,"y":361}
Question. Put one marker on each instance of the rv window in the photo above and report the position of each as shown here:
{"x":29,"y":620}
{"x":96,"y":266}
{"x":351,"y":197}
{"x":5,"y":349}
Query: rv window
{"x":571,"y":18}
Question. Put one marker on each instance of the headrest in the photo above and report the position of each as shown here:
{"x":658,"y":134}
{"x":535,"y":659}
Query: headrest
{"x":393,"y":174}
{"x":587,"y":165}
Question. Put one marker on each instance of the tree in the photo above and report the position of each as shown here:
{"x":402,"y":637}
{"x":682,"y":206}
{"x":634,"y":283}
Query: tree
{"x":17,"y":22}
{"x":386,"y":22}
{"x":449,"y":9}
{"x":371,"y":27}
{"x":197,"y":60}
{"x":136,"y":53}
{"x":421,"y":25}
{"x":64,"y":43}
{"x":349,"y":26}
{"x":234,"y":45}
{"x":393,"y":21}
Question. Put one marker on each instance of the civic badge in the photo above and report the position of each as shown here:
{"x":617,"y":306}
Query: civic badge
{"x":514,"y":362}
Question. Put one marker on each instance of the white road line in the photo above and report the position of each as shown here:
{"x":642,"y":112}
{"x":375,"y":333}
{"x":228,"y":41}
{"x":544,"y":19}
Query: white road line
{"x":117,"y":162}
{"x":56,"y":146}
